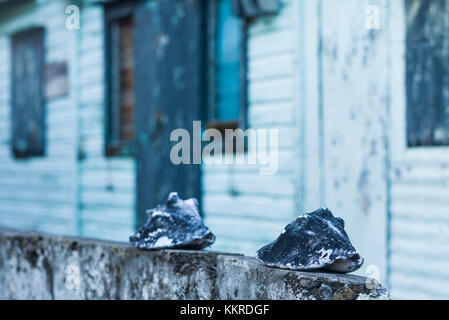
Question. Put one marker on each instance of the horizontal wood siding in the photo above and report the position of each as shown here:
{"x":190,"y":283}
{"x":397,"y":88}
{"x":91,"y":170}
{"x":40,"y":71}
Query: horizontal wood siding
{"x":106,"y":185}
{"x":419,"y":227}
{"x":244,"y":209}
{"x":95,"y":196}
{"x":39,"y":193}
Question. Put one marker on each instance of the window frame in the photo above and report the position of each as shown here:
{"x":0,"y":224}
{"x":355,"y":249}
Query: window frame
{"x":212,"y":121}
{"x":113,"y":13}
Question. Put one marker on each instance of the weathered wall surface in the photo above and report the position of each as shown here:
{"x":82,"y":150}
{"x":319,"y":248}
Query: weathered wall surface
{"x":245,"y":209}
{"x":36,"y":266}
{"x":40,"y":193}
{"x":419,"y":227}
{"x":353,"y":116}
{"x":74,"y":189}
{"x":106,"y":186}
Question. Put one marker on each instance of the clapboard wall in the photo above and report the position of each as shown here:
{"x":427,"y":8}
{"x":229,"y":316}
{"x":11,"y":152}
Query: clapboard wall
{"x":74,"y":189}
{"x":107,"y":185}
{"x":419,"y":188}
{"x":40,"y":193}
{"x":346,"y":121}
{"x":243,"y":208}
{"x":246,"y":210}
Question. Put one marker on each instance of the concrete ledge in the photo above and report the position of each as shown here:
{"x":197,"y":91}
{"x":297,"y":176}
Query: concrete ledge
{"x":246,"y":278}
{"x":37,"y":266}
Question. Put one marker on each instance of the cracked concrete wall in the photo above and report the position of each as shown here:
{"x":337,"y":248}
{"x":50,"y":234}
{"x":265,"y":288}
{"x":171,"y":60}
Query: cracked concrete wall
{"x":37,"y":266}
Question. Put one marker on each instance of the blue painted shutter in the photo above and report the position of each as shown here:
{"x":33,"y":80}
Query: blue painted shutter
{"x":27,"y":93}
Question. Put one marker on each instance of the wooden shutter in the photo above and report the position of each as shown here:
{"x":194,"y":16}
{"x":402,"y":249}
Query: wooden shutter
{"x":27,"y":93}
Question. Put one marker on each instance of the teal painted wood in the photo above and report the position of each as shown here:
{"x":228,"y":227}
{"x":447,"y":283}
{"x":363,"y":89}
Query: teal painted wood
{"x":106,"y":185}
{"x":228,"y":53}
{"x":38,"y":193}
{"x":48,"y":193}
{"x":246,"y":210}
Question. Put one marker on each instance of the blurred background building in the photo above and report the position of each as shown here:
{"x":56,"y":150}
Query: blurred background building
{"x":358,"y":89}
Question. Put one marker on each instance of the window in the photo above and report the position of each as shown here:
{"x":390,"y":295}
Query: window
{"x":427,"y":74}
{"x":226,"y":67}
{"x":120,"y":101}
{"x":27,"y":93}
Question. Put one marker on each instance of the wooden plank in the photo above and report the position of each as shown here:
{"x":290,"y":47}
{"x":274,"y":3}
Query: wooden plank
{"x":282,"y":186}
{"x":280,"y":42}
{"x":108,"y":179}
{"x":91,"y":76}
{"x":114,"y":232}
{"x":250,"y":206}
{"x":51,"y":226}
{"x":418,"y":193}
{"x":236,"y":245}
{"x":39,"y":188}
{"x":434,"y":272}
{"x":91,"y":43}
{"x":90,"y":59}
{"x":106,"y":197}
{"x":245,"y":230}
{"x":33,"y":196}
{"x":417,"y":247}
{"x":287,"y":163}
{"x":92,"y":95}
{"x":273,"y":66}
{"x":419,"y":211}
{"x":36,"y":210}
{"x":51,"y":168}
{"x":421,"y":229}
{"x":113,"y":215}
{"x":417,"y":287}
{"x":270,"y":90}
{"x":113,"y":164}
{"x":271,"y":114}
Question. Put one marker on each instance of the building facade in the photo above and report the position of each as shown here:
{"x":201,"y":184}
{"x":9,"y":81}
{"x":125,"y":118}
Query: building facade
{"x":90,"y":91}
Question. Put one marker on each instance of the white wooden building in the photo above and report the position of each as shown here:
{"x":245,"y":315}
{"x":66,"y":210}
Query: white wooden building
{"x":323,"y":72}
